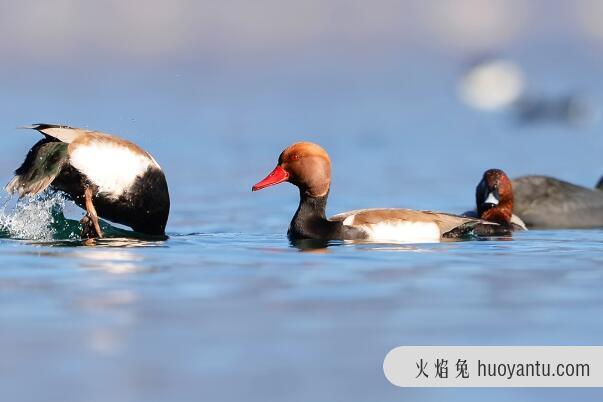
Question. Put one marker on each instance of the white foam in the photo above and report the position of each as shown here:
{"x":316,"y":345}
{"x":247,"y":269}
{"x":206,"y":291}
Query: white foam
{"x":31,"y":219}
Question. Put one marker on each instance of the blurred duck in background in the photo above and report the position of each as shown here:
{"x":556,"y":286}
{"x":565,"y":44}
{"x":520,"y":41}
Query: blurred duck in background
{"x":572,"y":108}
{"x":494,"y":84}
{"x":107,"y":176}
{"x":491,"y":84}
{"x":495,"y":202}
{"x":308,"y":166}
{"x":549,"y":203}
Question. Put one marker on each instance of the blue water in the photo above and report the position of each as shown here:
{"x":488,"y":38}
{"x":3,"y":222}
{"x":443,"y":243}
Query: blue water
{"x":227,"y":309}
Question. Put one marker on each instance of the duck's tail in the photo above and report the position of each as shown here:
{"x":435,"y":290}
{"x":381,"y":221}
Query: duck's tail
{"x":42,"y":164}
{"x":472,"y":228}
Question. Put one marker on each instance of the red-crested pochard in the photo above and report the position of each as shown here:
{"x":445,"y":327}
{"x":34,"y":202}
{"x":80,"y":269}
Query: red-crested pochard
{"x":104,"y":174}
{"x":494,"y":200}
{"x":307,"y":166}
{"x":548,"y":203}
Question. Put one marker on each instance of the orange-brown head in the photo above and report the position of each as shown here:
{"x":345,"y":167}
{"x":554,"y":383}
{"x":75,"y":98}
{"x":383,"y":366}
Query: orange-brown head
{"x":494,"y":197}
{"x":304,"y":164}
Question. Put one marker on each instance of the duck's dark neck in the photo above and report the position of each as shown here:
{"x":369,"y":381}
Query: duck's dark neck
{"x":310,"y":221}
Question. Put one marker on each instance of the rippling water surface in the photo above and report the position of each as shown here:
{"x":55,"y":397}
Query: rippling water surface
{"x":227,"y":308}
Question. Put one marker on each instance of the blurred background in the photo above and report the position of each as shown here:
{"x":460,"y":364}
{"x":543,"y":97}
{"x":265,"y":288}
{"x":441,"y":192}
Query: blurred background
{"x":412,"y":99}
{"x":408,"y":96}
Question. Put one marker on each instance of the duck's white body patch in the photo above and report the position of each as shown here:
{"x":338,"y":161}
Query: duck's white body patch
{"x":112,"y":167}
{"x":402,"y":231}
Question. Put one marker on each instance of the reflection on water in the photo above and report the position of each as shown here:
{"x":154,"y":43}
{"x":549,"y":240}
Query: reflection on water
{"x":187,"y":311}
{"x":110,"y":261}
{"x":318,"y":246}
{"x":107,"y":242}
{"x":312,"y":245}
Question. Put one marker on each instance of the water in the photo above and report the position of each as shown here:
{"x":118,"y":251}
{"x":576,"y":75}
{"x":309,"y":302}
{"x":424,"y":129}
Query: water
{"x":227,"y":309}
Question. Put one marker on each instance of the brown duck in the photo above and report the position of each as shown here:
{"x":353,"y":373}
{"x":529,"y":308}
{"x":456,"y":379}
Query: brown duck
{"x":494,"y":200}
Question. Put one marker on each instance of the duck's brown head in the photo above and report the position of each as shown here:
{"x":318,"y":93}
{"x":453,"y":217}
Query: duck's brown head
{"x":494,"y":197}
{"x":304,"y":164}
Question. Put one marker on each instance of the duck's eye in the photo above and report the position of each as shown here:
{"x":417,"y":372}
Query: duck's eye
{"x":295,"y":157}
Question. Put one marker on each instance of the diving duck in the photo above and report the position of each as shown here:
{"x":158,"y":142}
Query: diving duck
{"x":106,"y":175}
{"x":308,"y":166}
{"x":494,"y":201}
{"x":548,"y":203}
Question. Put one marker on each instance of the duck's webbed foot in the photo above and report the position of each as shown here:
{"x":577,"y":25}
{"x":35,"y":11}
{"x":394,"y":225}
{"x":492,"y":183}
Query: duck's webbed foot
{"x":88,"y":228}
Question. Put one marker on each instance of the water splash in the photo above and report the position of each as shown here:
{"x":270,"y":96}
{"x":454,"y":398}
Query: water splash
{"x":37,"y":218}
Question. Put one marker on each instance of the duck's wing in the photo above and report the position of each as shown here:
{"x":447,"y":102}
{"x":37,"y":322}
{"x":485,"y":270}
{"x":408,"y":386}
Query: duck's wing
{"x":78,"y":137}
{"x":58,"y":132}
{"x":547,"y":202}
{"x":406,"y":224}
{"x":45,"y":159}
{"x":41,"y":166}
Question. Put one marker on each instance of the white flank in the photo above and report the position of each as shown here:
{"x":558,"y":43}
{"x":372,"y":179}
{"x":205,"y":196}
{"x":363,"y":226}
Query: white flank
{"x":403,"y":232}
{"x":112,"y":167}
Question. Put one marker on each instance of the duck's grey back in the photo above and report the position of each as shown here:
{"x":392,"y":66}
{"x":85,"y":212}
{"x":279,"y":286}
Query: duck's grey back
{"x":546,"y":202}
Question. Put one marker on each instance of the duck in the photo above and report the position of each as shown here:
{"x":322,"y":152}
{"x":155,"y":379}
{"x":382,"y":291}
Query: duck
{"x":109,"y":177}
{"x":494,"y":200}
{"x":308,"y":166}
{"x":545,"y":202}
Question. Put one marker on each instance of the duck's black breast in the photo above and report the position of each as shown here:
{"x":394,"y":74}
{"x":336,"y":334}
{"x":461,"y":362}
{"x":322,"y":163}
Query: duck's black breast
{"x":144,"y":206}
